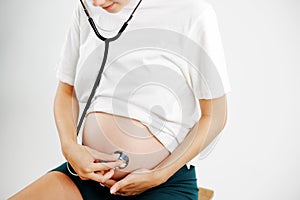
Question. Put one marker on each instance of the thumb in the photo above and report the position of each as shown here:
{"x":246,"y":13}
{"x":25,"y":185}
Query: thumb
{"x":118,"y":185}
{"x":110,"y":182}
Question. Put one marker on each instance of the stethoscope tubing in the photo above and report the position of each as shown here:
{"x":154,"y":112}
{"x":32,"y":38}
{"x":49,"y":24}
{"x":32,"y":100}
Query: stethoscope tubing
{"x":106,"y":41}
{"x":122,"y":156}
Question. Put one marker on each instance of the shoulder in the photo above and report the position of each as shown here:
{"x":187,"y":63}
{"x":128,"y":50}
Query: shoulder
{"x":195,"y":13}
{"x":198,"y":8}
{"x":200,"y":5}
{"x":203,"y":15}
{"x":182,"y":8}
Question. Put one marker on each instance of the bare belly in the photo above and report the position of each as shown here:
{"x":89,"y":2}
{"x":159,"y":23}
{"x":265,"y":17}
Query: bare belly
{"x":108,"y":133}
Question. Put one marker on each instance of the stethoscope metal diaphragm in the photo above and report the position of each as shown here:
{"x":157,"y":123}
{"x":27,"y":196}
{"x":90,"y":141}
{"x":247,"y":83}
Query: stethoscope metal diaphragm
{"x":124,"y":158}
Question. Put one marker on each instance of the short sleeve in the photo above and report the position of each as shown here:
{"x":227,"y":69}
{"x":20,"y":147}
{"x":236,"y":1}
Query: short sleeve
{"x":210,"y":78}
{"x":67,"y":62}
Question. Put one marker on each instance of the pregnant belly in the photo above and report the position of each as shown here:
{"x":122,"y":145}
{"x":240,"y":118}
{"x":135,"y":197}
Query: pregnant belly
{"x":108,"y":133}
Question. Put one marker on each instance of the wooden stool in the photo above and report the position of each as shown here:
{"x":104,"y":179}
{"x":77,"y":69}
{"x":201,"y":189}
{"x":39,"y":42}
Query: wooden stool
{"x":205,"y":194}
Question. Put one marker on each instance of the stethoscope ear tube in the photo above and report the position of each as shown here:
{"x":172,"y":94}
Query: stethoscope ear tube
{"x":85,"y":10}
{"x":96,"y":30}
{"x":123,"y":27}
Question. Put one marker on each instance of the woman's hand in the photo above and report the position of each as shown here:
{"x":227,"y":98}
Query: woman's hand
{"x":83,"y":161}
{"x":135,"y":183}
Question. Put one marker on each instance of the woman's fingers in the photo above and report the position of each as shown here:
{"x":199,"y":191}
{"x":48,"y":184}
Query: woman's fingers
{"x":96,"y":177}
{"x":106,"y":165}
{"x":108,"y":175}
{"x":102,"y":176}
{"x":109,"y":183}
{"x":91,"y":164}
{"x":102,"y":156}
{"x":100,"y":172}
{"x":99,"y":176}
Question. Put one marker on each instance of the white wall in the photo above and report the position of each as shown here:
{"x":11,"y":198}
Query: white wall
{"x":257,"y":156}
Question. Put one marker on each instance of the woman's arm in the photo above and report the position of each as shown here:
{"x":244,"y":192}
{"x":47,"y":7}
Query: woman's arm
{"x":80,"y":157}
{"x":211,"y":123}
{"x":66,"y":114}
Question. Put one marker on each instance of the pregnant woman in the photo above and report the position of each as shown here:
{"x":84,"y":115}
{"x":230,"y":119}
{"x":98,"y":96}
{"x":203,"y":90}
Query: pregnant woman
{"x":161,"y":101}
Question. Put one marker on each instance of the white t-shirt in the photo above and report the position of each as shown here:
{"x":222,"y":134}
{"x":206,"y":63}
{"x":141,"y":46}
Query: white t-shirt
{"x":169,"y":57}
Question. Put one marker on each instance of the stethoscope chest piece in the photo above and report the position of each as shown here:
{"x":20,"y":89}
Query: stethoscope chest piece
{"x":123,"y":157}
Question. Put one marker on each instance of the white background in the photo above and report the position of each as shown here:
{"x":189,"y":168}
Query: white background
{"x":257,"y":156}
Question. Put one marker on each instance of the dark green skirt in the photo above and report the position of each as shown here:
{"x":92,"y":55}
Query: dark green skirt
{"x":181,"y":186}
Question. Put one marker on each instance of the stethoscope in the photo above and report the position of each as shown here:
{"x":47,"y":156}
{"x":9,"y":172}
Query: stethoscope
{"x":122,"y":156}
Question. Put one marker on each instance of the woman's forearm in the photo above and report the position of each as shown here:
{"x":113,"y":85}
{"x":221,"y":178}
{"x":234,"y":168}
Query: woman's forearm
{"x":211,"y":123}
{"x":189,"y":148}
{"x":66,"y":114}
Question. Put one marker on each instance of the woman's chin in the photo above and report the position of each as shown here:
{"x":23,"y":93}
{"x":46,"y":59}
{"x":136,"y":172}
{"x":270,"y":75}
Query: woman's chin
{"x":114,"y":9}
